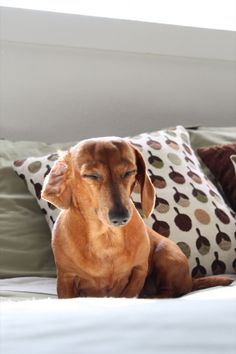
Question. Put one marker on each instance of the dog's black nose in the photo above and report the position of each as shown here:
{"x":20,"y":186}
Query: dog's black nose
{"x":118,"y":217}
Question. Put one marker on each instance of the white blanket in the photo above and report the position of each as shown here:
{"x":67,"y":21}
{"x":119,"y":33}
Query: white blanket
{"x":206,"y":324}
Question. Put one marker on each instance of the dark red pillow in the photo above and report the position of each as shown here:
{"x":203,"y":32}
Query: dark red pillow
{"x":217,"y":159}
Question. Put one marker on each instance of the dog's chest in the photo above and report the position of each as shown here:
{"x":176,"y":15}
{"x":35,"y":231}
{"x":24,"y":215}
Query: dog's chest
{"x":108,"y":258}
{"x":106,"y":268}
{"x":106,"y":275}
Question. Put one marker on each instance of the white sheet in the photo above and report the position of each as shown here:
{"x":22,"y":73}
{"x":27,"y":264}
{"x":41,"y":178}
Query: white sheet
{"x":119,"y":326}
{"x":35,"y":286}
{"x":110,"y":326}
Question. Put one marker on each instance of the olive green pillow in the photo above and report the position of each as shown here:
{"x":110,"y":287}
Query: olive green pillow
{"x":207,"y":136}
{"x":24,"y":235}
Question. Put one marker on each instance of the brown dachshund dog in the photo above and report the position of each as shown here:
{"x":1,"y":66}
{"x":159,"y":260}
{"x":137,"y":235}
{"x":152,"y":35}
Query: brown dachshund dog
{"x":101,"y":245}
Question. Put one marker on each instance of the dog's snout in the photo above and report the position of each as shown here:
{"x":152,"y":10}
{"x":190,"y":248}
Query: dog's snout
{"x":119,"y":216}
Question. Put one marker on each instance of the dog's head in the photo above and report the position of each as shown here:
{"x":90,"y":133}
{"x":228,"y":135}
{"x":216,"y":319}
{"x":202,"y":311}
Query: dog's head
{"x":100,"y":174}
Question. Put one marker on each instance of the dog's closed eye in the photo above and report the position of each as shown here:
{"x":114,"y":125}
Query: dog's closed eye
{"x":128,"y":173}
{"x":95,"y":176}
{"x":92,"y":176}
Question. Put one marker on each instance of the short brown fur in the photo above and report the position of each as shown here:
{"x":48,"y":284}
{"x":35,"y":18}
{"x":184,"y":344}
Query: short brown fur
{"x":101,"y":245}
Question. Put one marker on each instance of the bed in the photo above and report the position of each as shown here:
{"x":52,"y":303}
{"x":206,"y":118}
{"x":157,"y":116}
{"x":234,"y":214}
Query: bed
{"x":33,"y":320}
{"x":171,"y":90}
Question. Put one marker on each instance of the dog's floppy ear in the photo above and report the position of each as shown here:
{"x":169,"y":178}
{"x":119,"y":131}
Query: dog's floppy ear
{"x":56,"y":188}
{"x":147,"y":190}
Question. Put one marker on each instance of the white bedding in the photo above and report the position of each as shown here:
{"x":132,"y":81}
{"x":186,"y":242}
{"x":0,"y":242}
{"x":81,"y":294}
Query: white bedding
{"x":30,"y":286}
{"x":206,"y":324}
{"x":36,"y":287}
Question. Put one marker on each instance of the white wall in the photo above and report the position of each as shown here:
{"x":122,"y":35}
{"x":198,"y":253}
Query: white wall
{"x":55,"y":89}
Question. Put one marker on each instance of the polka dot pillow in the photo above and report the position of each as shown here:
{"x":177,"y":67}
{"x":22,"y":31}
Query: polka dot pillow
{"x":188,"y":209}
{"x":33,"y":171}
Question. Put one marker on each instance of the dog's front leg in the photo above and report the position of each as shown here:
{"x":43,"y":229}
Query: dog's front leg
{"x":66,"y":287}
{"x":136,"y":281}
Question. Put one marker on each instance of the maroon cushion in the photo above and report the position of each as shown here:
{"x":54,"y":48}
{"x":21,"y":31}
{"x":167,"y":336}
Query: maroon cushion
{"x":217,"y":159}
